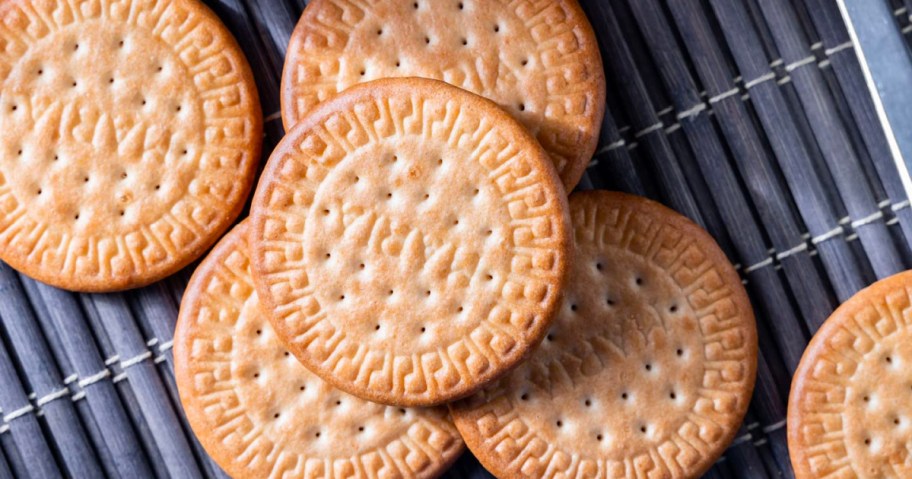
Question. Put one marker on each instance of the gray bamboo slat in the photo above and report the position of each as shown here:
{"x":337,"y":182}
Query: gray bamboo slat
{"x":16,"y":465}
{"x":838,"y":50}
{"x":612,"y":168}
{"x":842,"y":162}
{"x":24,"y":431}
{"x":151,"y":396}
{"x":61,"y":309}
{"x":5,"y":472}
{"x":792,"y":154}
{"x":44,"y":379}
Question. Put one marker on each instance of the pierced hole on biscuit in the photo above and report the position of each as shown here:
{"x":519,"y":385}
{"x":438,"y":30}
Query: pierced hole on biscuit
{"x":889,"y":359}
{"x":672,"y":395}
{"x":440,"y":161}
{"x":560,"y":424}
{"x":361,"y":429}
{"x":160,"y":68}
{"x":455,"y":222}
{"x":41,"y":72}
{"x":390,"y":292}
{"x":402,"y":411}
{"x":423,"y":329}
{"x":610,"y":302}
{"x":123,"y":175}
{"x":415,"y":5}
{"x":496,"y":28}
{"x":325,"y":212}
{"x":389,"y":195}
{"x":643,"y":429}
{"x":275,"y":416}
{"x":158,"y":187}
{"x":896,"y":421}
{"x":599,"y":437}
{"x":74,"y":83}
{"x":76,"y":217}
{"x":85,"y":179}
{"x":459,"y":309}
{"x":476,"y":191}
{"x":357,"y":179}
{"x":329,"y":255}
{"x":379,"y":32}
{"x":426,"y":196}
{"x":39,"y":191}
{"x":648,"y":367}
{"x":587,"y":403}
{"x":624,"y":396}
{"x":14,"y":107}
{"x":184,"y":151}
{"x":866,"y":398}
{"x":259,"y":332}
{"x":489,"y":232}
{"x":341,"y":297}
{"x":427,"y":40}
{"x":122,"y":212}
{"x":256,"y":375}
{"x":524,"y":62}
{"x":427,"y":293}
{"x":178,"y":108}
{"x":397,"y":63}
{"x":679,"y":352}
{"x":120,"y":43}
{"x":550,"y":337}
{"x":522,"y":107}
{"x":573,"y":307}
{"x":461,"y":6}
{"x":867,"y":441}
{"x":338,"y":403}
{"x":19,"y":153}
{"x":524,"y":397}
{"x":598,"y":266}
{"x":302,"y":387}
{"x":361,"y":266}
{"x":317,"y":434}
{"x":465,"y":42}
{"x":143,"y":101}
{"x":489,"y":277}
{"x":639,"y":281}
{"x":673,"y":308}
{"x":75,"y":46}
{"x":377,"y":328}
{"x":363,"y":72}
{"x":111,"y":80}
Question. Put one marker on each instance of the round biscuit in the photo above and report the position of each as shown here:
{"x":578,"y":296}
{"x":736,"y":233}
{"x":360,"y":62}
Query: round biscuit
{"x":259,"y":413}
{"x":409,"y":240}
{"x":129,"y":138}
{"x":646,"y":372}
{"x":538,"y":59}
{"x":849,"y":409}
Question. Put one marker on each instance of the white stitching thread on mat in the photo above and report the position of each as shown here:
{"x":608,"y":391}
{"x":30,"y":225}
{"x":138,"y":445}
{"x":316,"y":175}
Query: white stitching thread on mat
{"x":791,"y":251}
{"x":773,"y":427}
{"x":135,"y":360}
{"x":52,"y":396}
{"x":272,"y":117}
{"x":648,"y":130}
{"x":867,"y":219}
{"x":800,"y":63}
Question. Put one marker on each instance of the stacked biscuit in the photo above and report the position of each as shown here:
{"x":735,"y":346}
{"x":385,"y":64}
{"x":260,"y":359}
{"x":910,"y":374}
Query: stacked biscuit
{"x":410,"y":245}
{"x":412,"y":276}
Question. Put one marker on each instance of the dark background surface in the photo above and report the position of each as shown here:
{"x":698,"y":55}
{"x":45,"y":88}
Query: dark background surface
{"x":784,"y":163}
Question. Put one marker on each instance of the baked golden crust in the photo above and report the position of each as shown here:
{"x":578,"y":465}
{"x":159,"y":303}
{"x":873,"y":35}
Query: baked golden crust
{"x":649,"y":367}
{"x":129,"y":138}
{"x":410,"y":239}
{"x":259,"y":413}
{"x":849,"y":406}
{"x":539,"y":60}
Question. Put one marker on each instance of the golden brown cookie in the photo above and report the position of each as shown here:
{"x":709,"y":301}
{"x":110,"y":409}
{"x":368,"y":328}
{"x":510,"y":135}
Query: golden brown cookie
{"x":410,"y":241}
{"x":537,"y":59}
{"x":259,"y":413}
{"x":129,"y":137}
{"x":849,"y":411}
{"x":646,"y":372}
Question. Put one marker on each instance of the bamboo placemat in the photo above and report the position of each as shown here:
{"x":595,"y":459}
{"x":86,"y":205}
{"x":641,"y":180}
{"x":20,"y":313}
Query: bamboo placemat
{"x":749,"y":116}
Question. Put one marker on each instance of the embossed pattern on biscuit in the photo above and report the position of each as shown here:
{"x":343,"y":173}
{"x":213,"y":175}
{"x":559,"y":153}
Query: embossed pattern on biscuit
{"x":647,"y":370}
{"x":260,"y":413}
{"x":538,"y":60}
{"x":129,"y":136}
{"x":410,"y":240}
{"x":849,"y":409}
